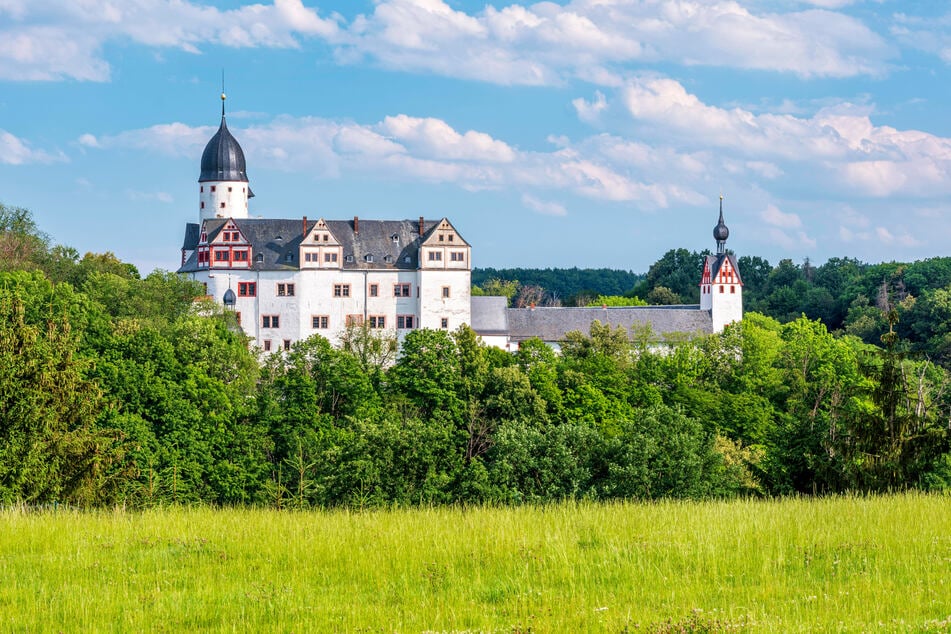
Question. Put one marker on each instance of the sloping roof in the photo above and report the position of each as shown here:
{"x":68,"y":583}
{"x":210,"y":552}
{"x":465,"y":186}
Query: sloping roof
{"x":552,"y":324}
{"x":223,"y":158}
{"x":278,"y":241}
{"x":488,"y":314}
{"x":192,"y":231}
{"x":715,"y":263}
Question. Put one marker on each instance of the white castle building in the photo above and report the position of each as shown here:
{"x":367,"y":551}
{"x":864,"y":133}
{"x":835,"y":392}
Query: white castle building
{"x":288,"y":279}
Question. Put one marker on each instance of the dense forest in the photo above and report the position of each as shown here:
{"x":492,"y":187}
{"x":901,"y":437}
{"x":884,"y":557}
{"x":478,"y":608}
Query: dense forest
{"x":117,"y":388}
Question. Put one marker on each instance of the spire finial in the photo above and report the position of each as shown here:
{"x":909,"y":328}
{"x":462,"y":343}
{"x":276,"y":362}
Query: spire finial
{"x":721,"y":232}
{"x":223,"y":95}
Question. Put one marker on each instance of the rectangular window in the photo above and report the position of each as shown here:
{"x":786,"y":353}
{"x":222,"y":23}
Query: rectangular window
{"x":451,"y":236}
{"x":320,"y":321}
{"x":330,"y":257}
{"x":221,"y":256}
{"x":354,"y":320}
{"x":457,"y":256}
{"x":405,"y":322}
{"x":241,"y":256}
{"x":222,"y":205}
{"x":287,"y":344}
{"x":377,"y":321}
{"x":285,"y":290}
{"x":445,"y":292}
{"x":247,"y":289}
{"x":267,"y":345}
{"x":401,"y":290}
{"x":326,"y":237}
{"x":270,"y":321}
{"x":212,"y":188}
{"x":441,"y":237}
{"x":341,"y":290}
{"x":374,"y":290}
{"x":444,"y":323}
{"x":435,"y":256}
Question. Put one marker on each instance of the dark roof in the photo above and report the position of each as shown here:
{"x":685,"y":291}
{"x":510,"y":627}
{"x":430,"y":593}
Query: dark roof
{"x":275,"y":243}
{"x":552,"y":324}
{"x":488,"y":314}
{"x":192,"y":231}
{"x":223,"y":158}
{"x":715,"y":262}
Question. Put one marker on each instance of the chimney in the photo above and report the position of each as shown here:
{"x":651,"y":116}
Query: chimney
{"x":356,"y":224}
{"x":422,"y":225}
{"x":304,"y":229}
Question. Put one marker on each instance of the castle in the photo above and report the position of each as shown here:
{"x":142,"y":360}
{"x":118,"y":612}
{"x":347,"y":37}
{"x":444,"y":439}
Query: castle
{"x":288,"y":279}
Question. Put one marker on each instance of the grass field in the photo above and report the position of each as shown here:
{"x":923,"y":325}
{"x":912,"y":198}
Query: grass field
{"x":829,"y":565}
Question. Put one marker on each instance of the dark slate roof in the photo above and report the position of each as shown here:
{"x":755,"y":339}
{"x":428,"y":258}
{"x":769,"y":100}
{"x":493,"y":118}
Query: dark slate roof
{"x":488,"y":315}
{"x":715,"y":262}
{"x":192,"y":231}
{"x":275,"y":243}
{"x":551,"y":324}
{"x":223,"y":158}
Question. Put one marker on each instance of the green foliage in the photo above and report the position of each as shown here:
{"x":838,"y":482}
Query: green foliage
{"x":616,"y":300}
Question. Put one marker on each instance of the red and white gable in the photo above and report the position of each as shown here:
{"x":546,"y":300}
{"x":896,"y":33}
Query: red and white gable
{"x":226,"y":247}
{"x":320,"y":248}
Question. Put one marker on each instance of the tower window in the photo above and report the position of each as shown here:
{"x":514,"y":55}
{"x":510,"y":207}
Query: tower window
{"x":721,"y":288}
{"x":212,"y":188}
{"x":445,"y":292}
{"x":733,"y":290}
{"x":222,"y":205}
{"x":203,"y":204}
{"x":201,"y":189}
{"x":229,"y":190}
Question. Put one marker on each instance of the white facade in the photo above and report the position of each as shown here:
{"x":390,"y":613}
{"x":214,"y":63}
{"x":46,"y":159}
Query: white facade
{"x":222,"y":199}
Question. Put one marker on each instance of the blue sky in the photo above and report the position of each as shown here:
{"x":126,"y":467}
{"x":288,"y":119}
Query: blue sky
{"x":584,"y":133}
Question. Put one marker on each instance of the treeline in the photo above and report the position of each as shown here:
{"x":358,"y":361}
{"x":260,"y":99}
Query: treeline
{"x":121,"y":389}
{"x":554,"y":287}
{"x":847,"y":295}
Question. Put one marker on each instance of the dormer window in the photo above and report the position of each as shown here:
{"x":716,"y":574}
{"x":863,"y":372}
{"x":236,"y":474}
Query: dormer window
{"x":388,"y":258}
{"x":289,"y":257}
{"x":406,"y":259}
{"x":368,"y":258}
{"x":259,"y":257}
{"x":395,"y":238}
{"x":349,"y":258}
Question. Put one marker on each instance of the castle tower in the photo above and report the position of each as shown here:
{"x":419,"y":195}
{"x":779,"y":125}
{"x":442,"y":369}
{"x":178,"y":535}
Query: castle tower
{"x":721,"y":287}
{"x":223,"y":184}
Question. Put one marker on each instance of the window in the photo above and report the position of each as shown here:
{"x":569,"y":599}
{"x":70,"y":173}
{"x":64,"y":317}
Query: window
{"x":330,"y":257}
{"x":341,"y":290}
{"x":285,"y":290}
{"x":203,"y":204}
{"x":229,"y":190}
{"x":401,"y":290}
{"x":326,"y":237}
{"x":395,"y":238}
{"x":270,"y":321}
{"x":202,"y":189}
{"x":457,"y":256}
{"x":222,"y":205}
{"x":289,"y":257}
{"x":377,"y":321}
{"x":721,"y":288}
{"x":349,"y":258}
{"x":388,"y":259}
{"x":368,"y":258}
{"x":404,"y":322}
{"x":354,"y":320}
{"x":451,"y":236}
{"x":441,"y":237}
{"x":733,"y":290}
{"x":221,"y":256}
{"x":444,"y":322}
{"x":320,"y":321}
{"x":287,"y":344}
{"x":212,"y":188}
{"x":310,"y":257}
{"x":267,"y":345}
{"x":374,"y":290}
{"x":445,"y":292}
{"x":435,"y":256}
{"x":247,"y":289}
{"x":241,"y":256}
{"x":259,"y":257}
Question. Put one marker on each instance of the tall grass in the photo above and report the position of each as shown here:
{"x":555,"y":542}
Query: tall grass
{"x":848,"y":564}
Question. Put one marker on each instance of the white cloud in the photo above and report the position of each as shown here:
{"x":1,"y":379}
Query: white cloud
{"x":50,"y":39}
{"x":544,"y":207}
{"x":535,"y":44}
{"x":773,"y":216}
{"x":544,"y":43}
{"x":838,"y":146}
{"x":902,"y":239}
{"x":602,"y":167}
{"x":16,"y":151}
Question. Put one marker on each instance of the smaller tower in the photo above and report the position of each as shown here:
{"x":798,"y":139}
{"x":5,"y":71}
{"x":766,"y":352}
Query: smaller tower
{"x":223,"y":184}
{"x":721,"y":287}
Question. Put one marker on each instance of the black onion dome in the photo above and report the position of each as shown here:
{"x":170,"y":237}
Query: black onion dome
{"x":223,"y":158}
{"x":229,"y":299}
{"x":721,"y":232}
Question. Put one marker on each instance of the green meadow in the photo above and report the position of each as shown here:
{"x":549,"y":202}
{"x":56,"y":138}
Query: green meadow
{"x":845,"y":564}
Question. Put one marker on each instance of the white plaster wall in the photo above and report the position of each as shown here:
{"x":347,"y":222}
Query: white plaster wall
{"x":236,"y":201}
{"x":726,"y":307}
{"x":433,"y":306}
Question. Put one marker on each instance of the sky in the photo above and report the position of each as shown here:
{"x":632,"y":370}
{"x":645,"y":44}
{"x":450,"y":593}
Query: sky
{"x":588,"y":133}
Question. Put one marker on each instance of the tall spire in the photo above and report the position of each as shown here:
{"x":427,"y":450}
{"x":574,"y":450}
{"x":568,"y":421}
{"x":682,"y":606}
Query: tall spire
{"x":721,"y":232}
{"x":223,"y":95}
